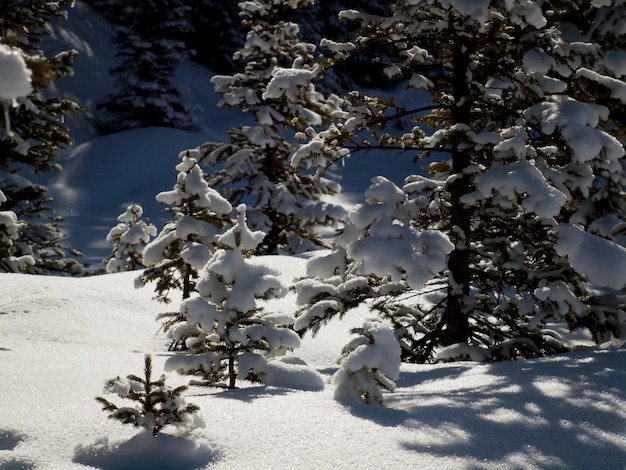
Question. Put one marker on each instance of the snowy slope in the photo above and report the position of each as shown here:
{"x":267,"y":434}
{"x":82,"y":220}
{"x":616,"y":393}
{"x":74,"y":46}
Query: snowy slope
{"x":102,"y":175}
{"x":61,"y":338}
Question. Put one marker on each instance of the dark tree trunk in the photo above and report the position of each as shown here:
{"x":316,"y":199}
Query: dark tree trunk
{"x":231,"y":371}
{"x":455,"y":325}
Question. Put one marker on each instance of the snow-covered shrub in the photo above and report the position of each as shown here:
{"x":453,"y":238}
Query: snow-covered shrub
{"x":228,"y":331}
{"x":158,"y":405}
{"x":370,"y":364}
{"x":10,"y":229}
{"x":129,"y":238}
{"x":380,"y":254}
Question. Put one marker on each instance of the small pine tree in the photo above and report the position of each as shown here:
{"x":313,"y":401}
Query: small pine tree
{"x":184,"y":245}
{"x":370,"y":364}
{"x":150,"y":47}
{"x":225,"y":326}
{"x":378,"y":255}
{"x":159,"y":405}
{"x":129,"y":237}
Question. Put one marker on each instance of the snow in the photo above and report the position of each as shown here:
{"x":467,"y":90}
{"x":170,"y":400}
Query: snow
{"x":15,"y":80}
{"x":521,"y":179}
{"x":62,"y":338}
{"x":602,"y":262}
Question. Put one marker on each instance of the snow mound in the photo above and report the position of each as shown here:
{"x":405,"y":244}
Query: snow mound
{"x":146,"y":451}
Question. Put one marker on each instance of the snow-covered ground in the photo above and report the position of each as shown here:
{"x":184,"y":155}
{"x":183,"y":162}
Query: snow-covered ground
{"x":62,"y":338}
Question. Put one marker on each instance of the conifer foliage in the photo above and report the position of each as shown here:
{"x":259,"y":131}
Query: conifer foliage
{"x":10,"y":229}
{"x":33,"y":132}
{"x":231,"y":335}
{"x":370,"y":364}
{"x":520,"y":133}
{"x":284,"y":200}
{"x":129,"y":237}
{"x":186,"y":243}
{"x":150,"y":46}
{"x":158,"y":405}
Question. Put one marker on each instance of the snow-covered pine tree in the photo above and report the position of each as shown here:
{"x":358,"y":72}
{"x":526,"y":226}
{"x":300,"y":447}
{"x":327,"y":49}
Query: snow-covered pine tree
{"x":129,"y":237}
{"x":29,"y":146}
{"x":284,"y":200}
{"x":370,"y":364}
{"x":10,"y":229}
{"x":158,"y":406}
{"x":150,"y":47}
{"x":516,"y":112}
{"x":231,"y":335}
{"x":185,"y":244}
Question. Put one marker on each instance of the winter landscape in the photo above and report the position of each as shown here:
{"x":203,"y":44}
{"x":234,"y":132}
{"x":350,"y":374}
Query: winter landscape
{"x":456,"y":405}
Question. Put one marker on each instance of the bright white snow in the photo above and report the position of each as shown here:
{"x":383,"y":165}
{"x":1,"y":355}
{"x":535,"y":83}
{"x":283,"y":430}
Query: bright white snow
{"x":15,"y":79}
{"x":62,"y":338}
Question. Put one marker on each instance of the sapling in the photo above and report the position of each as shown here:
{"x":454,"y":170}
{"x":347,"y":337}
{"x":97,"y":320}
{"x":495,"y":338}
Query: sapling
{"x":158,"y":404}
{"x":370,"y":364}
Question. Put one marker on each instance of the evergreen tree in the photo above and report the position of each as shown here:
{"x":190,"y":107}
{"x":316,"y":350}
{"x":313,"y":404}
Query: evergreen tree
{"x":150,"y":46}
{"x":159,"y":405}
{"x":129,"y":237}
{"x":519,"y":128}
{"x":226,"y":328}
{"x":284,"y":200}
{"x":370,"y":364}
{"x":33,"y":132}
{"x":185,"y":244}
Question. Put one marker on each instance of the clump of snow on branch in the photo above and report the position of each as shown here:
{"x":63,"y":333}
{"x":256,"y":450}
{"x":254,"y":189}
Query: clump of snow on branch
{"x":600,"y":260}
{"x":15,"y":80}
{"x":16,"y":76}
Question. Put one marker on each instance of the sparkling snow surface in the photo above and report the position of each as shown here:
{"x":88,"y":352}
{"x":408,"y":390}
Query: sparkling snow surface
{"x":62,"y":338}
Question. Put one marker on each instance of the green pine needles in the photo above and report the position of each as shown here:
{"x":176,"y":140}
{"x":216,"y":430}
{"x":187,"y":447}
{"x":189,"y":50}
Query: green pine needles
{"x":159,"y":405}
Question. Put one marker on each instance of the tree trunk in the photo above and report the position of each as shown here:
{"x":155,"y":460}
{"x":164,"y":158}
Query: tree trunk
{"x":455,"y":325}
{"x":231,"y":370}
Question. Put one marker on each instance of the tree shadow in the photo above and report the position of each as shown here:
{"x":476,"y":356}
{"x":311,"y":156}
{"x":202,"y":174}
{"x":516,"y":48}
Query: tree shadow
{"x":9,"y":439}
{"x":250,"y":394}
{"x":17,"y":463}
{"x":159,"y":452}
{"x":558,"y":412}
